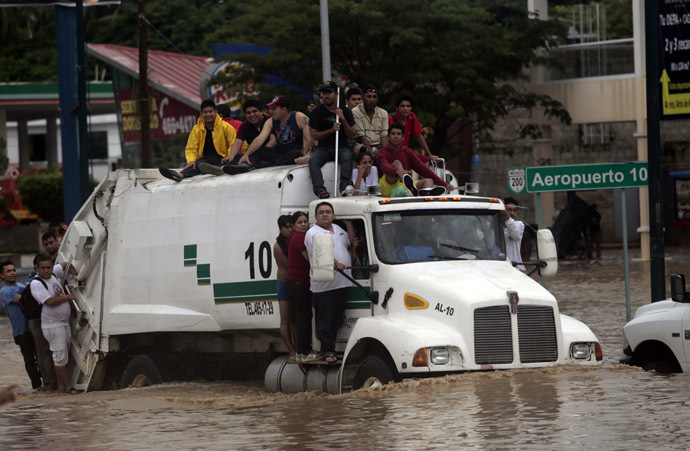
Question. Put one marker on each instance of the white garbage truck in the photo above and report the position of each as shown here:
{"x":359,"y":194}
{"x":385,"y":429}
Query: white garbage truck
{"x":178,"y":280}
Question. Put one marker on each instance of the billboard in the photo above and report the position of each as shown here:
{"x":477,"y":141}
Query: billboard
{"x":673,"y":30}
{"x":168,"y":116}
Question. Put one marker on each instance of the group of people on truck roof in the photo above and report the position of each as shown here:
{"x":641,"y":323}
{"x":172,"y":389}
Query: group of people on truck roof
{"x":300,"y":297}
{"x":365,"y":132}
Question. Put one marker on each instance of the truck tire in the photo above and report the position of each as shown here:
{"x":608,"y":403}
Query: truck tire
{"x":372,"y":372}
{"x":663,"y":366}
{"x":141,"y":371}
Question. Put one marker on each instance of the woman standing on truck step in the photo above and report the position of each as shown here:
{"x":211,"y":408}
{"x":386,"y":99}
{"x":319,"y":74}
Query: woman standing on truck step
{"x":298,"y":285}
{"x":288,"y":317}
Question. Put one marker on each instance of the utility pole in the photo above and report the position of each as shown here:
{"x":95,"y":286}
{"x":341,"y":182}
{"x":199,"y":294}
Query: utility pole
{"x":84,"y":154}
{"x":325,"y":41}
{"x":69,"y":27}
{"x":656,"y":226}
{"x":143,"y":99}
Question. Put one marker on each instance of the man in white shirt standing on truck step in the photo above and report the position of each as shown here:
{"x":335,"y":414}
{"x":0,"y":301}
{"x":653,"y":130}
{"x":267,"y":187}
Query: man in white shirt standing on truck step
{"x":328,"y":298}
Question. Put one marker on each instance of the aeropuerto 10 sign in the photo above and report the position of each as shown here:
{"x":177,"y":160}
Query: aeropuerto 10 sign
{"x":577,"y":177}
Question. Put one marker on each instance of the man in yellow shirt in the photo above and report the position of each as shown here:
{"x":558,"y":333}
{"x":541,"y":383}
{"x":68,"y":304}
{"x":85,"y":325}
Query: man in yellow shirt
{"x":209,"y":142}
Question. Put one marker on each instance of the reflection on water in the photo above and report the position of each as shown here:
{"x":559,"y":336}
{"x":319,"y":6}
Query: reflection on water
{"x":614,"y":407}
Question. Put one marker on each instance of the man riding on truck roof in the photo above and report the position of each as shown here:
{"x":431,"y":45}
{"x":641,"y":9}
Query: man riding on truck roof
{"x":209,"y":141}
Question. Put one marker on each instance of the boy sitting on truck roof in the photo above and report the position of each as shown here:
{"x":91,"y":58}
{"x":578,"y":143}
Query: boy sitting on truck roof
{"x":209,"y":141}
{"x":395,"y":161}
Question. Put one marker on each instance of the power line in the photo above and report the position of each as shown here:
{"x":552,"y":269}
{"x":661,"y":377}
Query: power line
{"x":171,"y":43}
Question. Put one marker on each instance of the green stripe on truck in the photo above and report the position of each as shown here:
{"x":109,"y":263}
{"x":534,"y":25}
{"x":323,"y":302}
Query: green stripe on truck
{"x":265,"y":290}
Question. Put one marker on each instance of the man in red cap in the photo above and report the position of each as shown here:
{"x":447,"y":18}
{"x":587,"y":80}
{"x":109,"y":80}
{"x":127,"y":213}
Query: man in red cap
{"x":291,"y":134}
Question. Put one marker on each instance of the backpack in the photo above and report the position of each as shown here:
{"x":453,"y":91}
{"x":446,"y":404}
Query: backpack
{"x":30,"y":306}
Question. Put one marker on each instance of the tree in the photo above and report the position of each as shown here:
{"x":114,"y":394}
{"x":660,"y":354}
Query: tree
{"x":184,"y":23}
{"x":458,"y":58}
{"x":28,"y":34}
{"x":41,"y":192}
{"x":28,"y":45}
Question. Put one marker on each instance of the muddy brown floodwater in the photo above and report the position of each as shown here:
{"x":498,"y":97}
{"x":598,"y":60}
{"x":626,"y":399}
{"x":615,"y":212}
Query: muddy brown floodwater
{"x":612,"y":407}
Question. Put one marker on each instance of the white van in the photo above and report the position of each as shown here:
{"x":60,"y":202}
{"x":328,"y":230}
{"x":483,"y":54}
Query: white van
{"x":175,"y":277}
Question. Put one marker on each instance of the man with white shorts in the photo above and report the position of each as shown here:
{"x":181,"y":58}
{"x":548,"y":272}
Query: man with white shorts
{"x":55,"y":317}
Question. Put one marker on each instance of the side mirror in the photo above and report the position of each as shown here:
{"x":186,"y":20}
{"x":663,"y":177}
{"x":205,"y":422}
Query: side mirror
{"x":322,"y":253}
{"x":364,"y":272}
{"x":546,"y":252}
{"x":361,"y":272}
{"x":678,"y":288}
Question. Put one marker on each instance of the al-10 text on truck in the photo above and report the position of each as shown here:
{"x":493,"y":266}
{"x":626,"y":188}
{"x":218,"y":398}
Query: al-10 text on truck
{"x":178,"y":275}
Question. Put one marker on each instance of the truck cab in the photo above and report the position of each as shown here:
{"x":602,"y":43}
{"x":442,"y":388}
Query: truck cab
{"x":656,"y":338}
{"x":446,"y":298}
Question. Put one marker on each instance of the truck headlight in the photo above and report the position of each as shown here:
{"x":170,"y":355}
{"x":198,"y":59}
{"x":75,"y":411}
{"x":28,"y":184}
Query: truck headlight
{"x":580,"y":351}
{"x":440,"y":356}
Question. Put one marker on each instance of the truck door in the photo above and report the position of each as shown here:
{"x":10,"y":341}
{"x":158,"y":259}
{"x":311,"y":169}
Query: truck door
{"x":358,"y":304}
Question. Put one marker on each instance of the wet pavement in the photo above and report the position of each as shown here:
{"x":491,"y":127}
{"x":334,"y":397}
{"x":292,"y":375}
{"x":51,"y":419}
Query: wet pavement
{"x":612,"y":407}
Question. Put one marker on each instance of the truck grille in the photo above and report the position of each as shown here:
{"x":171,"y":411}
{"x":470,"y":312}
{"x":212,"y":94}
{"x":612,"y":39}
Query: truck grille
{"x":493,"y":340}
{"x":537,"y":334}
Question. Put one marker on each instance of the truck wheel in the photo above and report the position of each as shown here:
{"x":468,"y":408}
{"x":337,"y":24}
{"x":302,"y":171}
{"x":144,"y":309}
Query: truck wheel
{"x":141,"y":371}
{"x":662,"y":366}
{"x":372,"y":372}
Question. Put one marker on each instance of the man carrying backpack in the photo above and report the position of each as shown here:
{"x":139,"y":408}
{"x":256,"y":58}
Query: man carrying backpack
{"x":10,"y":294}
{"x":32,"y":311}
{"x":54,"y":317}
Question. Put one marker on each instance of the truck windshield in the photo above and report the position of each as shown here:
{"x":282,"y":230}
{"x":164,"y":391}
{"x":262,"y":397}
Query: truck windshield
{"x":433,"y":235}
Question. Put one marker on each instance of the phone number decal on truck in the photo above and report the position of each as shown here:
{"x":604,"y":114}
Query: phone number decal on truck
{"x":259,"y":308}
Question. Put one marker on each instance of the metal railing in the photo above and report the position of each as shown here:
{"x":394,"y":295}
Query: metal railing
{"x":592,"y":59}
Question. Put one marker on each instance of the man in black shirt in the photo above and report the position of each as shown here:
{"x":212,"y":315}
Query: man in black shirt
{"x":247,"y":133}
{"x":323,"y":126}
{"x":249,"y":130}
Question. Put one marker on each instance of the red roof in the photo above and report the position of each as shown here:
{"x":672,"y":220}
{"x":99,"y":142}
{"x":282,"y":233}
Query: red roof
{"x":174,"y":74}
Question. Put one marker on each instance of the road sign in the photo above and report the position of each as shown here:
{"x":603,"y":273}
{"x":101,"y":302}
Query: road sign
{"x":577,"y":177}
{"x":673,"y":31}
{"x":516,"y":180}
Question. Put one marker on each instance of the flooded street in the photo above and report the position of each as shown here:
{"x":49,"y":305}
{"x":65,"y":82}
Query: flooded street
{"x":613,"y":407}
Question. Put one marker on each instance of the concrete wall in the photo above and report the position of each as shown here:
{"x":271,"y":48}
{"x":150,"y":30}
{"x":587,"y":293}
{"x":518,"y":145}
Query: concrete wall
{"x":605,"y":99}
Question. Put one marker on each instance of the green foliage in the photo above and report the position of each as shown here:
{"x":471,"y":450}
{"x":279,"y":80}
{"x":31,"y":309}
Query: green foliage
{"x":618,"y":19}
{"x":459,"y":59}
{"x":28,"y":34}
{"x":41,"y":192}
{"x":28,"y":45}
{"x":185,"y":23}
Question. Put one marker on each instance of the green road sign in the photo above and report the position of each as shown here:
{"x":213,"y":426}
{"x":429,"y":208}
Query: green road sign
{"x":577,"y":177}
